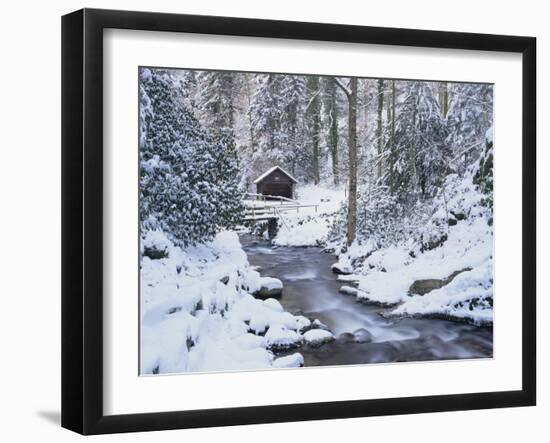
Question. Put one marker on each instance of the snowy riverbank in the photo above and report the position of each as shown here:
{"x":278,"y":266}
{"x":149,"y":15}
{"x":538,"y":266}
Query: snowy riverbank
{"x":198,"y":313}
{"x":443,"y":269}
{"x":310,"y":226}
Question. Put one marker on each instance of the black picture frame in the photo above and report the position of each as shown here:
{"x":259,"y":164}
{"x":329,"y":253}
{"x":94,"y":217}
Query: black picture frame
{"x":82,"y":218}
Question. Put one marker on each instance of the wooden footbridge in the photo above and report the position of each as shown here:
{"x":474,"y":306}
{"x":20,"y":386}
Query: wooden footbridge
{"x":260,"y":207}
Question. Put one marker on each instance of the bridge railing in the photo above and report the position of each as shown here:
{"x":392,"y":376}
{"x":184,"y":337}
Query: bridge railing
{"x":266,"y":197}
{"x":273,"y":211}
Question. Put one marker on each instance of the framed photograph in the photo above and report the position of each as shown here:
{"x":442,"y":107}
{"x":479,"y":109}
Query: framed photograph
{"x":269,"y":221}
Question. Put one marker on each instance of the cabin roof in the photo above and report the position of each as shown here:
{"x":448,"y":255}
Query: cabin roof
{"x":266,"y":173}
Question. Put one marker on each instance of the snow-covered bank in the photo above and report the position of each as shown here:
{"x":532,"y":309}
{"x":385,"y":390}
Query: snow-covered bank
{"x":198,"y":313}
{"x":446,"y":272}
{"x":310,"y":226}
{"x":433,"y":260}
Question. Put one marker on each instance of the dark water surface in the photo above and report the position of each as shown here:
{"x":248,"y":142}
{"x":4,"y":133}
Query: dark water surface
{"x":311,"y":289}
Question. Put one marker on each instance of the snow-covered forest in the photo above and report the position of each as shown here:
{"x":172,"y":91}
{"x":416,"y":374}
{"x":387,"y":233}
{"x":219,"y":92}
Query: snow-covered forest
{"x":394,"y":185}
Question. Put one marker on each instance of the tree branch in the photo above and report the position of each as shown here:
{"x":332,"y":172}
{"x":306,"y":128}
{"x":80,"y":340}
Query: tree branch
{"x":343,"y":87}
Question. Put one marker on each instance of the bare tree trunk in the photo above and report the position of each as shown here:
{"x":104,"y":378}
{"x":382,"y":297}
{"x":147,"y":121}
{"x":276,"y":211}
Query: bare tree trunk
{"x":379,"y":140}
{"x":314,"y":121}
{"x":249,"y":114}
{"x":333,"y":130}
{"x":352,"y":147}
{"x":444,"y":98}
{"x":366,"y":100}
{"x":392,"y":134}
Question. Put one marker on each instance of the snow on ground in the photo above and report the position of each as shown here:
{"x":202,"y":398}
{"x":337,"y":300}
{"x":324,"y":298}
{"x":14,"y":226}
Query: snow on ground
{"x":456,"y":274}
{"x":310,"y":226}
{"x":306,"y":230}
{"x":468,"y":296}
{"x":468,"y":246}
{"x":289,"y":361}
{"x":198,"y":314}
{"x":328,"y":199}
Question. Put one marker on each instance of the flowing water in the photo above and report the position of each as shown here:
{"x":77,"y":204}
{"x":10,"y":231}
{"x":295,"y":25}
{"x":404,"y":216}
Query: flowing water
{"x":311,"y":289}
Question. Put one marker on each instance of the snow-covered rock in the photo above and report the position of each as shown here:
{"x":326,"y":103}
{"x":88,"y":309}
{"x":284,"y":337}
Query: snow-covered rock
{"x":421,"y":287}
{"x":155,"y":245}
{"x":318,"y":324}
{"x":280,"y":338}
{"x":468,"y":297}
{"x":273,"y":304}
{"x":344,"y":268}
{"x":349,"y":290}
{"x":302,"y":323}
{"x":269,"y":287}
{"x":198,"y":313}
{"x":436,"y":271}
{"x":362,"y":336}
{"x":318,"y":337}
{"x":295,"y":360}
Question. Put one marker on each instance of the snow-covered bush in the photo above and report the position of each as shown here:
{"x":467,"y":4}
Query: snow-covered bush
{"x":483,"y":171}
{"x":450,"y":253}
{"x":198,"y":313}
{"x":188,"y":176}
{"x":380,"y":216}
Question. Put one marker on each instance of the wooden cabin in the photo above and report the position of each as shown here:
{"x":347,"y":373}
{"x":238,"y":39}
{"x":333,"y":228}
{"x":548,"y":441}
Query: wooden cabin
{"x":276,"y":182}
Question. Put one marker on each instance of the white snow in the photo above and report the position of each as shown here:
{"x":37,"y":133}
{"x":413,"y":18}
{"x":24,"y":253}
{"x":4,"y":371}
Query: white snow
{"x":273,"y":304}
{"x":302,"y":231}
{"x":489,"y":135}
{"x":289,"y":361}
{"x":386,"y":275}
{"x":191,"y":321}
{"x":328,"y":199}
{"x":155,"y":240}
{"x":310,"y":226}
{"x":270,"y":283}
{"x":318,"y":337}
{"x":278,"y":337}
{"x":343,"y":266}
{"x":469,"y":245}
{"x":465,"y":297}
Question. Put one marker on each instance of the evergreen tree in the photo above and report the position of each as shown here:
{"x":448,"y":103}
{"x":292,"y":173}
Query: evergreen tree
{"x":483,"y":176}
{"x":420,"y":156}
{"x":266,"y":111}
{"x":188,"y":176}
{"x":470,"y":116}
{"x":291,"y":119}
{"x":216,"y":99}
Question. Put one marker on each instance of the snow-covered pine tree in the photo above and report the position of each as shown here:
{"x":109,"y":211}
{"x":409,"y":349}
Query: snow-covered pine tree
{"x":276,"y":112}
{"x":293,"y":99}
{"x":188,"y":176}
{"x":216,"y":100}
{"x":470,"y":116}
{"x":266,"y":109}
{"x":420,"y":156}
{"x":483,"y":176}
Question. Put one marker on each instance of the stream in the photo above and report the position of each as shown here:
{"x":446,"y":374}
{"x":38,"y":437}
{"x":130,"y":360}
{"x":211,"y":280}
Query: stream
{"x":362,"y":335}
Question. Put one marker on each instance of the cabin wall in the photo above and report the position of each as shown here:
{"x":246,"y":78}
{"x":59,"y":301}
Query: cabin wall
{"x":278,"y":184}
